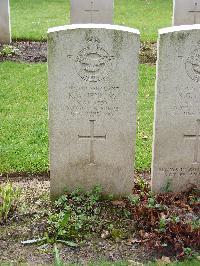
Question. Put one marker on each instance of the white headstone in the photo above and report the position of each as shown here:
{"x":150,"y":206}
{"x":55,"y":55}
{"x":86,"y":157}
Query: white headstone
{"x":92,"y":11}
{"x":186,"y":12}
{"x":92,"y":107}
{"x":176,"y":148}
{"x":5,"y":32}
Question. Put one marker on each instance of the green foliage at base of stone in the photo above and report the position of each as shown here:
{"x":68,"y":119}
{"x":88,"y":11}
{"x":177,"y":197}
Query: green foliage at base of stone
{"x":79,"y":215}
{"x":9,"y":197}
{"x":75,"y":214}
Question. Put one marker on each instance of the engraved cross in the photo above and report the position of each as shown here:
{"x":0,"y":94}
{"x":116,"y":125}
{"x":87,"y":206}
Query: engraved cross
{"x":195,"y":12}
{"x":92,"y":137}
{"x":196,"y":138}
{"x":91,"y":10}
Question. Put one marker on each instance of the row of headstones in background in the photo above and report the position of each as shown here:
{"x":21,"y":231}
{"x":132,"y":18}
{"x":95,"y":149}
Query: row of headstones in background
{"x":91,"y":11}
{"x":101,"y":11}
{"x":186,"y":12}
{"x":5,"y":29}
{"x":92,"y":107}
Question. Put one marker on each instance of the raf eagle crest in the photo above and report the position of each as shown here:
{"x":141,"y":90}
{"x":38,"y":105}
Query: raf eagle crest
{"x":192,"y":65}
{"x":93,"y":63}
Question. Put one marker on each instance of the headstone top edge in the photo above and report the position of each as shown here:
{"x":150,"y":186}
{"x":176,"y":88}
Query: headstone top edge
{"x":93,"y":26}
{"x":179,"y":28}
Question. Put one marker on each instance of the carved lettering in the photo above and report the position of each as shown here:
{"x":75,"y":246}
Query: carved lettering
{"x":187,"y":101}
{"x":93,"y":101}
{"x":180,"y":172}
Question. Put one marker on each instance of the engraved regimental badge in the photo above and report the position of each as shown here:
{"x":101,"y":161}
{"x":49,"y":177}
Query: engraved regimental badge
{"x":192,"y":64}
{"x":93,"y":63}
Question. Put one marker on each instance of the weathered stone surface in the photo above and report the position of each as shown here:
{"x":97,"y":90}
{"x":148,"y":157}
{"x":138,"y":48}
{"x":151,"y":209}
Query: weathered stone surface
{"x":176,"y":148}
{"x":92,"y":107}
{"x":95,"y":11}
{"x":186,"y":12}
{"x":5,"y":32}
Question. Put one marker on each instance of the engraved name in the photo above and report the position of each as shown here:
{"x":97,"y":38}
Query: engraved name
{"x":93,"y":101}
{"x":187,"y":101}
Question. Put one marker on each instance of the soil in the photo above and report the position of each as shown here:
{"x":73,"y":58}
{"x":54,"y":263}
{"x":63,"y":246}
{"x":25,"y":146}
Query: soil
{"x":24,"y":51}
{"x":29,"y":223}
{"x":148,"y":53}
{"x":36,"y":52}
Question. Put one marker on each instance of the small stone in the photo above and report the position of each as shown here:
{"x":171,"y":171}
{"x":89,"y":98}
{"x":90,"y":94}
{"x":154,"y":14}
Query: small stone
{"x":105,"y":234}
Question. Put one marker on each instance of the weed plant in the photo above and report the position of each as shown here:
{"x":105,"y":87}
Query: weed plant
{"x":76,"y":214}
{"x":79,"y":216}
{"x":9,"y":197}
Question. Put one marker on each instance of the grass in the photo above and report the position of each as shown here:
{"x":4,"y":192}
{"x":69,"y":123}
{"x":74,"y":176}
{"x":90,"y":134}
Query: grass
{"x":9,"y":197}
{"x":24,"y":139}
{"x":146,"y":15}
{"x":145,"y":117}
{"x":192,"y":262}
{"x":24,"y":114}
{"x":31,"y":19}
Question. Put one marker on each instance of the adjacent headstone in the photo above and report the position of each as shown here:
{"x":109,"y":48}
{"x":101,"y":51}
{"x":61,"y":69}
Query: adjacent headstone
{"x":176,"y":148}
{"x":186,"y":12}
{"x":5,"y":32}
{"x":95,"y":11}
{"x":92,"y":107}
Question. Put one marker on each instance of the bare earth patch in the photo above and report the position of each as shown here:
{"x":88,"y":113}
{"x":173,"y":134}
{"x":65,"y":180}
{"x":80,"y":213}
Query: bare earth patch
{"x":36,"y":52}
{"x":24,"y":51}
{"x":29,"y":223}
{"x":149,"y":241}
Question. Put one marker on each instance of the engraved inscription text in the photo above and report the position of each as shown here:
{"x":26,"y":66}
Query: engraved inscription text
{"x":93,"y":101}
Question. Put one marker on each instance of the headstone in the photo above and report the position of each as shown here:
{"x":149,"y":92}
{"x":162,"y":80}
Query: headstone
{"x":5,"y":32}
{"x":176,"y":148}
{"x":92,"y":107}
{"x":92,"y":11}
{"x":186,"y":12}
